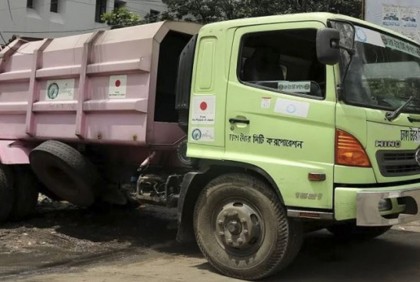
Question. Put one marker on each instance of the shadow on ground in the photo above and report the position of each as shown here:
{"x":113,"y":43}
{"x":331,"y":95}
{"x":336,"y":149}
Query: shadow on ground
{"x":394,"y":256}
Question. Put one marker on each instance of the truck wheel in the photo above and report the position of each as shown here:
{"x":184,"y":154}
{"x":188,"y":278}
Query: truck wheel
{"x":242,"y":229}
{"x":349,"y":231}
{"x":26,"y":188}
{"x":65,"y":172}
{"x":6,"y":192}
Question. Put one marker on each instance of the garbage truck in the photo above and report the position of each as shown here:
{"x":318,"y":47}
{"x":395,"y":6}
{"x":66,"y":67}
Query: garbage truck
{"x":257,"y":130}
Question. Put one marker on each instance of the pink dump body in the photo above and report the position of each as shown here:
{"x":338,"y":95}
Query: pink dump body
{"x":97,"y":87}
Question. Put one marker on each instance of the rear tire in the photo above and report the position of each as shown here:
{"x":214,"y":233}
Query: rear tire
{"x":6,"y":192}
{"x":65,"y":172}
{"x":26,"y":188}
{"x":349,"y":231}
{"x":242,"y":228}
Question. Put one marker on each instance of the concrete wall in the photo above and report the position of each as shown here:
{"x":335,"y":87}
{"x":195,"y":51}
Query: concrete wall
{"x":73,"y":17}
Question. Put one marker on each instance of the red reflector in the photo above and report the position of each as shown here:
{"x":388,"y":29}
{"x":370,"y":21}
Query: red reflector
{"x":316,"y":176}
{"x":309,"y":215}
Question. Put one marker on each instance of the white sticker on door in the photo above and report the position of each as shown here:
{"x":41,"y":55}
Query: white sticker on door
{"x":292,"y":108}
{"x":204,"y":109}
{"x":265,"y":102}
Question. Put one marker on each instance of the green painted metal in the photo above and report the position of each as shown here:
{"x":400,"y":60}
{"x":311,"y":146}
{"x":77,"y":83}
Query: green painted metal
{"x":310,"y":138}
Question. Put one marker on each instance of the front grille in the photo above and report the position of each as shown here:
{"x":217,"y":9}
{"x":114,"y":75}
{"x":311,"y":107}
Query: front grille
{"x":397,"y":163}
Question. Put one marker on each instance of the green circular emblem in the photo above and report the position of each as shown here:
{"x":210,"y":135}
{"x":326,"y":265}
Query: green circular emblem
{"x":53,"y":90}
{"x":196,"y":134}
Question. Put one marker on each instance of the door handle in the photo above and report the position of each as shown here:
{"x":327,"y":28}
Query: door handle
{"x":238,"y":120}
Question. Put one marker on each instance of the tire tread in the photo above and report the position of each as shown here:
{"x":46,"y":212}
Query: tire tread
{"x":286,"y":248}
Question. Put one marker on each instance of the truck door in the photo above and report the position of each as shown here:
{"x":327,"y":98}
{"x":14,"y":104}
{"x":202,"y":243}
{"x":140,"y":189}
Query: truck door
{"x":280,"y":110}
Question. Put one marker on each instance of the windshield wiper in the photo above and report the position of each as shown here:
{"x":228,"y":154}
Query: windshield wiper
{"x":390,"y":116}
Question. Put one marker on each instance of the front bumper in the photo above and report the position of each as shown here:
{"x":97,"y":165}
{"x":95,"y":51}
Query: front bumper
{"x":363,"y":204}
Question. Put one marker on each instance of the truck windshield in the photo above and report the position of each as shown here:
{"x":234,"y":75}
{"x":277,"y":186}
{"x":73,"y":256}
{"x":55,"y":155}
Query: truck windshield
{"x":384,"y":72}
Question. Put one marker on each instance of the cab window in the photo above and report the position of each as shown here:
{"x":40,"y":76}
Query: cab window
{"x":282,"y":61}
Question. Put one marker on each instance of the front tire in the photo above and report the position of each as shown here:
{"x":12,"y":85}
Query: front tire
{"x":242,"y":228}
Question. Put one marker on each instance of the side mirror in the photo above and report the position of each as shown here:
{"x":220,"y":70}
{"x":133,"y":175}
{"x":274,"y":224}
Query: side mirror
{"x":328,"y":46}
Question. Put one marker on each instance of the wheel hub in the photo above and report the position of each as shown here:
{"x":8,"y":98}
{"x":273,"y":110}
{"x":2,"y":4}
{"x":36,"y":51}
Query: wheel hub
{"x":234,"y":227}
{"x":238,"y":226}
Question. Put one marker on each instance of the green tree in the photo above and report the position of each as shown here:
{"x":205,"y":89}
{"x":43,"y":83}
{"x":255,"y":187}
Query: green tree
{"x":120,"y":17}
{"x":205,"y":11}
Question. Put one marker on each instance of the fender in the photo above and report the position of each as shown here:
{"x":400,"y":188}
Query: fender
{"x":13,"y":152}
{"x":195,"y":181}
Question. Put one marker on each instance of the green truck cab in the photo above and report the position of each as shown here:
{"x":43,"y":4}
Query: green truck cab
{"x":296,"y":123}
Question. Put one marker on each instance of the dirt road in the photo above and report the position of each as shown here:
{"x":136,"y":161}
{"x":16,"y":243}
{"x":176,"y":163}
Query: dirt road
{"x":63,"y":243}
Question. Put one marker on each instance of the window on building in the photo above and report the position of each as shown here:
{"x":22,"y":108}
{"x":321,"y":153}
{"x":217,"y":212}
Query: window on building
{"x":30,"y":4}
{"x":293,"y":68}
{"x":100,"y":9}
{"x":54,"y":6}
{"x":119,"y":4}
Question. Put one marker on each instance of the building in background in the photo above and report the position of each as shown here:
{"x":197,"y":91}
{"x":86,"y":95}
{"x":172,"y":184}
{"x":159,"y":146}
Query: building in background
{"x":402,"y":16}
{"x":54,"y":18}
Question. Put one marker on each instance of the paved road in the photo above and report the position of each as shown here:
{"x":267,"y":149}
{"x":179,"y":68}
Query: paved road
{"x":121,"y":250}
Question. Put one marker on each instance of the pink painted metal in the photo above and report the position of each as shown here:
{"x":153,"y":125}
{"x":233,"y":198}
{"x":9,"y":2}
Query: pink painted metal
{"x":94,"y":88}
{"x":13,"y":152}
